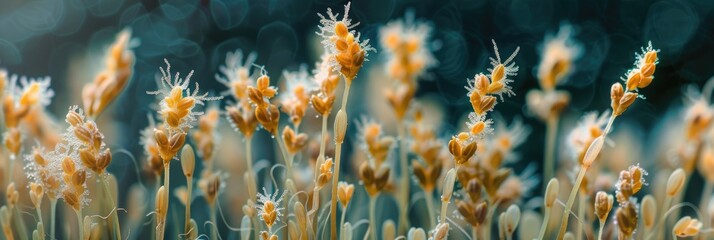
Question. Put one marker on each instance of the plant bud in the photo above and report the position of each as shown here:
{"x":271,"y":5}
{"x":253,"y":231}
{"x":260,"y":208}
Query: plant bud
{"x":448,"y":188}
{"x":551,"y":192}
{"x":675,"y":182}
{"x":593,"y":151}
{"x":649,"y":211}
{"x":389,"y":230}
{"x":188,"y":161}
{"x":340,"y":126}
{"x":513,"y":217}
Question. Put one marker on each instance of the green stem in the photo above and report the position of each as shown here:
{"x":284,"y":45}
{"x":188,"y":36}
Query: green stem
{"x":53,"y":212}
{"x":214,"y":229}
{"x":342,"y":218}
{"x":336,"y":174}
{"x":115,"y":216}
{"x":489,"y":217}
{"x":602,"y":225}
{"x":189,"y":189}
{"x":162,"y":222}
{"x":544,"y":225}
{"x":9,"y":169}
{"x":430,"y":208}
{"x":571,"y":200}
{"x":372,"y":221}
{"x":551,"y":143}
{"x":579,"y":181}
{"x":581,"y":214}
{"x":404,"y":165}
{"x":80,"y":224}
{"x":333,"y":201}
{"x":662,"y":217}
{"x":706,"y":195}
{"x":39,"y":216}
{"x":444,"y":208}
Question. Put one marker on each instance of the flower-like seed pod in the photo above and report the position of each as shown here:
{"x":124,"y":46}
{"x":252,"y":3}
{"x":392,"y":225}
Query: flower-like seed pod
{"x":687,"y":227}
{"x":603,"y":205}
{"x":345,"y":192}
{"x":294,"y":142}
{"x":325,"y":173}
{"x":626,"y":216}
{"x":475,"y":215}
{"x":374,"y":180}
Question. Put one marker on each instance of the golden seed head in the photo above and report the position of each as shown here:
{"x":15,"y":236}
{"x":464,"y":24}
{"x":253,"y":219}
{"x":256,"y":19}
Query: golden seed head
{"x":294,"y":143}
{"x":551,"y":192}
{"x":112,"y":80}
{"x":603,"y":205}
{"x":441,"y":232}
{"x":269,"y":207}
{"x":559,"y":53}
{"x":687,"y":227}
{"x":675,"y":182}
{"x":626,"y":218}
{"x":345,"y":192}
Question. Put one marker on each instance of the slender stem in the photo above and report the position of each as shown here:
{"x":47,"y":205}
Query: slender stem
{"x":115,"y":217}
{"x":333,"y":201}
{"x":372,"y":221}
{"x":39,"y":216}
{"x":286,"y":156}
{"x":474,"y":233}
{"x":544,"y":225}
{"x":187,"y":221}
{"x":162,"y":222}
{"x":571,"y":200}
{"x":214,"y":229}
{"x":336,"y":174}
{"x":10,"y":171}
{"x":249,"y":170}
{"x":706,"y":195}
{"x":342,"y":218}
{"x":80,"y":224}
{"x":53,"y":212}
{"x":249,"y":155}
{"x":581,"y":214}
{"x":22,"y":229}
{"x":444,"y":208}
{"x":429,"y":198}
{"x":489,"y":217}
{"x":316,"y":191}
{"x":551,"y":144}
{"x":602,"y":225}
{"x":288,"y":175}
{"x":404,"y":165}
{"x":662,"y":217}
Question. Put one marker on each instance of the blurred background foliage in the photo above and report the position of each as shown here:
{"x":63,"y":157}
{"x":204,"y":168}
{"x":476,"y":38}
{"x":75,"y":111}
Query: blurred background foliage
{"x":66,"y":39}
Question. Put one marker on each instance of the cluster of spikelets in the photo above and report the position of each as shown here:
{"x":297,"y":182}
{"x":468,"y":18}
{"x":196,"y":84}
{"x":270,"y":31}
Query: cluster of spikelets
{"x":471,"y":172}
